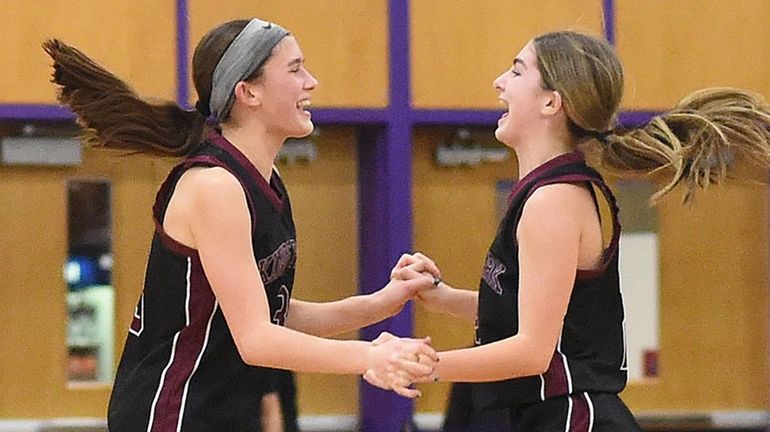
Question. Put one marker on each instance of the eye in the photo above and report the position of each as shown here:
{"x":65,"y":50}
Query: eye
{"x":515,"y":73}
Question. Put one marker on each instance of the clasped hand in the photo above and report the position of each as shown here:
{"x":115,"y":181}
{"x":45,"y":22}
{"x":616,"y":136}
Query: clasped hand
{"x":397,"y":363}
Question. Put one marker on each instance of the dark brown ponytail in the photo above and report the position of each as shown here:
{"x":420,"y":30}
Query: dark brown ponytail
{"x":113,"y":115}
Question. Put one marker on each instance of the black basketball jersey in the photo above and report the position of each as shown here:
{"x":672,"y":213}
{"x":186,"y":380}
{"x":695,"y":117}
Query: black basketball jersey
{"x":180,"y":369}
{"x":590,"y":354}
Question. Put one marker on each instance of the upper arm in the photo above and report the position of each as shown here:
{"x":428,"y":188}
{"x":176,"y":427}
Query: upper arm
{"x":548,"y":236}
{"x":220,"y":225}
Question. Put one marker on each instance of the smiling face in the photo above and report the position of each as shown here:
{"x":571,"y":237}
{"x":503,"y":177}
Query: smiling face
{"x":520,"y":89}
{"x":284,"y":91}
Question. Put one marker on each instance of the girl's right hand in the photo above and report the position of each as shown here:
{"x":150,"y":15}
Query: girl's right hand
{"x":416,"y":261}
{"x":430,"y":295}
{"x":395,"y":363}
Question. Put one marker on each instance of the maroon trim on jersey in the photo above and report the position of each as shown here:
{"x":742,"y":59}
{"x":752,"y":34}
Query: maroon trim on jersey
{"x":580,"y":418}
{"x":163,"y":197}
{"x":562,"y":159}
{"x":189,"y":344}
{"x":172,"y":244}
{"x":159,"y":210}
{"x":217,"y":139}
{"x":555,"y":379}
{"x":609,"y":252}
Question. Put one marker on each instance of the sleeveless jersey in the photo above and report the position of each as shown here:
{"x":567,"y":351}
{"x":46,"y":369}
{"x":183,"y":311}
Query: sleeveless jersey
{"x":590,"y":354}
{"x":180,"y":369}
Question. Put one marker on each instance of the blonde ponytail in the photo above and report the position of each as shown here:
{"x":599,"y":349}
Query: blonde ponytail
{"x":695,"y":141}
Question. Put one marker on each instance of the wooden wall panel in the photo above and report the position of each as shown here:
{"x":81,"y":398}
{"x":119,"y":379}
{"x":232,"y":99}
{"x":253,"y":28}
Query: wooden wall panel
{"x":33,"y":289}
{"x":672,"y":48}
{"x":344,"y":41}
{"x":459,"y":48}
{"x":324,"y":201}
{"x":713,"y":302}
{"x":34,"y":248}
{"x":134,"y":39}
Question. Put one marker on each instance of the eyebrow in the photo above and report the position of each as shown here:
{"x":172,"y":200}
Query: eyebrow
{"x":295,"y":62}
{"x":520,"y":62}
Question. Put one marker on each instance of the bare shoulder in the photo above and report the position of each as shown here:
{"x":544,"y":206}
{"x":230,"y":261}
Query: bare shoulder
{"x":559,"y":198}
{"x":209,"y":185}
{"x":200,"y":197}
{"x":556,"y":211}
{"x":209,"y":179}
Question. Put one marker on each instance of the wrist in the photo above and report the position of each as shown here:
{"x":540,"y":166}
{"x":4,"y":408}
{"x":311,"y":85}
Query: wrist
{"x":366,"y":361}
{"x":436,"y":300}
{"x":371,"y":357}
{"x":383,"y":302}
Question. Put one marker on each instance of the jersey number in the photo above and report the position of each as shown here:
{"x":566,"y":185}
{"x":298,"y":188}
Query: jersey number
{"x":279,"y":317}
{"x":137,"y":324}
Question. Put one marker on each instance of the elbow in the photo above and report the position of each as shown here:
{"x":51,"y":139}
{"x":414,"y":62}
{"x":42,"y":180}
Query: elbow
{"x":249,"y":354}
{"x":533,"y":366}
{"x":251,"y":347}
{"x":540,"y":365}
{"x":526,"y":366}
{"x":539,"y":359}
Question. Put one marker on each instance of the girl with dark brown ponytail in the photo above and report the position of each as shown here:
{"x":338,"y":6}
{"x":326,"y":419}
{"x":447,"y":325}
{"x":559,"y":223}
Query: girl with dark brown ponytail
{"x":214,"y":311}
{"x":549,"y":310}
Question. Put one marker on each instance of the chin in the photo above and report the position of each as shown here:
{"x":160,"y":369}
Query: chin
{"x":504,"y":138}
{"x":303,"y":131}
{"x":500,"y":134}
{"x":309,"y":129}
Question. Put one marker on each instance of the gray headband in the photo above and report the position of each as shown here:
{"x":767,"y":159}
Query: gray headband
{"x":248,"y":51}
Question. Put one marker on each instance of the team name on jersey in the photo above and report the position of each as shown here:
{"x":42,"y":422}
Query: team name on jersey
{"x":275,"y":265}
{"x":493,"y":268}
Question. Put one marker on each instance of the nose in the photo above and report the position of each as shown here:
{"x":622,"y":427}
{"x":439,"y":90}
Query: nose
{"x":499,"y":84}
{"x":310,"y":82}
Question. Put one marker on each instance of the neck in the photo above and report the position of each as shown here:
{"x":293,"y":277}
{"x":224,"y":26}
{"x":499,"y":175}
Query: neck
{"x":540,"y":148}
{"x":256,"y":143}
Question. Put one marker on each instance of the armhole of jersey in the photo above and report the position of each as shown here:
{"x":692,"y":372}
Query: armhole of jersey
{"x":608,"y":216}
{"x":160,"y":207}
{"x":607,"y":211}
{"x":166,"y":190}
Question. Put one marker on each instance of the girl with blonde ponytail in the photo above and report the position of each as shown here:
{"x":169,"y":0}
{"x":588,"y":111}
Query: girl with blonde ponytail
{"x":550,"y":338}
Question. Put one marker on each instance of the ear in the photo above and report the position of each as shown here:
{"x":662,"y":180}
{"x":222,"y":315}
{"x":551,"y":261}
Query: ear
{"x":552,"y":103}
{"x":248,"y":94}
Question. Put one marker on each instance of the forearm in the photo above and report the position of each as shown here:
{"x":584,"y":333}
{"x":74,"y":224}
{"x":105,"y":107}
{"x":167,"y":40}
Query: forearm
{"x":333,"y":318}
{"x":274,"y":346}
{"x":460,"y":303}
{"x":517,"y":356}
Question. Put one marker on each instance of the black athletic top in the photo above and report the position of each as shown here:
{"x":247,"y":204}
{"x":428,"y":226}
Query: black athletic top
{"x":591,"y":353}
